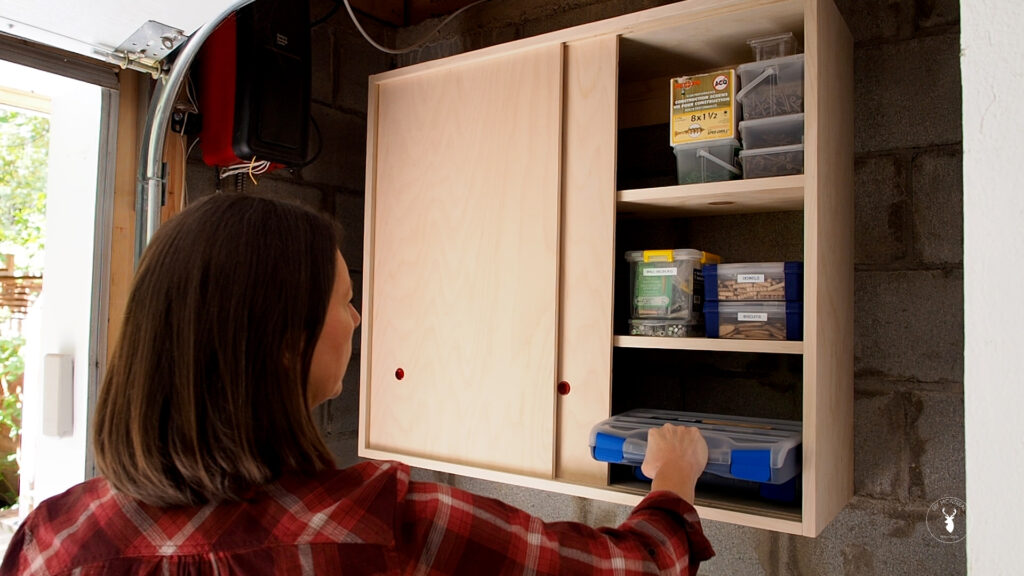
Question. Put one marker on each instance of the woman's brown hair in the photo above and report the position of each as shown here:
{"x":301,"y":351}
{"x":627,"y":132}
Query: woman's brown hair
{"x":204,"y":398}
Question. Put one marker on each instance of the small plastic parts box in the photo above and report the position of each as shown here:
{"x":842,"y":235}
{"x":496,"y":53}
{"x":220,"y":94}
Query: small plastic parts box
{"x":777,"y":161}
{"x":753,"y":449}
{"x":754,"y":320}
{"x":774,"y":46}
{"x":773,"y":131}
{"x":707,"y":161}
{"x":754,"y":281}
{"x":664,"y":328}
{"x":667,"y":284}
{"x":772,"y":87}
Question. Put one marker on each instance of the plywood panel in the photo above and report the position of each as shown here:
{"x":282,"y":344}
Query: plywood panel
{"x":588,"y":253}
{"x":464,"y":264}
{"x":828,"y":295}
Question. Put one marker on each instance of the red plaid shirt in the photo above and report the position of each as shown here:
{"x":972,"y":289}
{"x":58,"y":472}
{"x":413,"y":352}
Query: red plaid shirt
{"x":367,"y":519}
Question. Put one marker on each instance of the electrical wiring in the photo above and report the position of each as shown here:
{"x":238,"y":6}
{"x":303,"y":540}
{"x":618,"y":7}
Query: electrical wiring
{"x":415,"y":46}
{"x":253,"y":168}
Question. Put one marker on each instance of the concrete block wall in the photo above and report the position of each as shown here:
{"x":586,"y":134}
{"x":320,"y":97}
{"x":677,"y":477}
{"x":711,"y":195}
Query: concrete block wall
{"x":909,"y":430}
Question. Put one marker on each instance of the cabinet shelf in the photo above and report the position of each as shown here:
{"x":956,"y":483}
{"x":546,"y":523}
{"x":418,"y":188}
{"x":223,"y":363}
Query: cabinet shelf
{"x":710,"y":344}
{"x":779,"y":194}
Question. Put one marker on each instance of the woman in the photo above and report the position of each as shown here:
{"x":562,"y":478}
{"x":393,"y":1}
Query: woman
{"x":239,"y":323}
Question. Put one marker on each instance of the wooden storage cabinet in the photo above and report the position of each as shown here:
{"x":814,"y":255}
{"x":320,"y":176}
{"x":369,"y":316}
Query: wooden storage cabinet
{"x":500,"y":201}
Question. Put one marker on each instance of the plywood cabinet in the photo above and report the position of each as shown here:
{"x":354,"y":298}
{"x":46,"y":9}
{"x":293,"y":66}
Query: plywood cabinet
{"x":501,"y":193}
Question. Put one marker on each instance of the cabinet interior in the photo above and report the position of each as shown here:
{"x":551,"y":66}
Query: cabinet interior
{"x":741,"y":221}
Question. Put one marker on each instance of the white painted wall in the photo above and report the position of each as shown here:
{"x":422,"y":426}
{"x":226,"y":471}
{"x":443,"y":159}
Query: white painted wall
{"x":62,"y":324}
{"x":993,"y":121}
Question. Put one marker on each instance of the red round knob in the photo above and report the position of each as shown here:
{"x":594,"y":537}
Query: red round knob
{"x":399,"y":374}
{"x":563,"y":388}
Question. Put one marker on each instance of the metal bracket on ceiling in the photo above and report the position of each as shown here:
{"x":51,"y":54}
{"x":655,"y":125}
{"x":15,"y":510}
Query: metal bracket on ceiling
{"x":145,"y":49}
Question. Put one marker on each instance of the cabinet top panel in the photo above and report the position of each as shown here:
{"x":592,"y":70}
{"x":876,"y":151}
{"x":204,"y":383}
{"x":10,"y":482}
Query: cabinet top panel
{"x":693,"y":33}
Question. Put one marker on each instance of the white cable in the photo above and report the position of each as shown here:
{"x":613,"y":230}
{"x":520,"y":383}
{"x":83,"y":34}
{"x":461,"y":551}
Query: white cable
{"x":414,"y":46}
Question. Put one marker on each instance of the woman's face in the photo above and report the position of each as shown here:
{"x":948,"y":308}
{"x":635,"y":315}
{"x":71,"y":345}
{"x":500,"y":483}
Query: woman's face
{"x":334,"y":348}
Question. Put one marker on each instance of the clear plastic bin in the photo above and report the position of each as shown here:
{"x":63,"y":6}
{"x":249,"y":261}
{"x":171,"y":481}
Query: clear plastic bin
{"x":708,"y":161}
{"x":767,"y":162}
{"x":754,"y":320}
{"x":753,"y":449}
{"x":772,"y":131}
{"x":665,"y":328}
{"x":774,"y":46}
{"x":771,"y":87}
{"x":667,"y":284}
{"x":754,"y":281}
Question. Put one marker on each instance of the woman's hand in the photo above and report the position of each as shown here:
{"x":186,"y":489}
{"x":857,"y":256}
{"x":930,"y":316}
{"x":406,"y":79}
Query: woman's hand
{"x":675,"y":458}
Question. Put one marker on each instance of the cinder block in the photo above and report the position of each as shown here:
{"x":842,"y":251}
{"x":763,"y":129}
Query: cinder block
{"x":937,"y":446}
{"x":355,"y":60}
{"x":883,"y":211}
{"x":739,"y":550}
{"x":907,"y":94}
{"x":348,"y":211}
{"x":938,"y":206}
{"x":345,"y":449}
{"x":342,"y":159}
{"x":934,"y":13}
{"x":875,"y":19}
{"x":909,"y":325}
{"x":880,"y":452}
{"x":280,"y":187}
{"x":344,"y":416}
{"x":424,"y":475}
{"x":548,"y":506}
{"x":873,"y":538}
{"x":323,"y":64}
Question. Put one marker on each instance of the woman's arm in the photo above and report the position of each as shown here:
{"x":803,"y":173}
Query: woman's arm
{"x":445,"y":530}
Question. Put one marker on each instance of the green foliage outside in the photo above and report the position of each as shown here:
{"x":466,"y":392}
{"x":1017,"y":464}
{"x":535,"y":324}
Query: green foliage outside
{"x":12,"y":367}
{"x":24,"y":148}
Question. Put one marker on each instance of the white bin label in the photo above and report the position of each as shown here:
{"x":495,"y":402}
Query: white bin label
{"x":659,"y":271}
{"x":752,"y":316}
{"x":744,"y":278}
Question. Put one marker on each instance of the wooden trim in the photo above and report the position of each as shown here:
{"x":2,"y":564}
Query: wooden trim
{"x":587,"y":267}
{"x":60,"y":62}
{"x":174,"y":194}
{"x":25,"y":100}
{"x":122,"y":238}
{"x":366,"y":334}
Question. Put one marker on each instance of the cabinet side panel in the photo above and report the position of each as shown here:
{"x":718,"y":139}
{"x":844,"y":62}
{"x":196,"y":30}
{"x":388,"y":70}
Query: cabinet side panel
{"x":828,"y":395}
{"x":587,"y":277}
{"x":465,"y":232}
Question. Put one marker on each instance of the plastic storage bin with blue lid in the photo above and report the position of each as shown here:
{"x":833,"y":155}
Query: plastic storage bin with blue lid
{"x":754,"y":281}
{"x":754,"y":320}
{"x":753,"y":449}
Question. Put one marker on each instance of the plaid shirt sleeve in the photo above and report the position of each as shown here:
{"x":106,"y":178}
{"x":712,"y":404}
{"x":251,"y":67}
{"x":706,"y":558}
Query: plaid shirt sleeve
{"x":445,"y":530}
